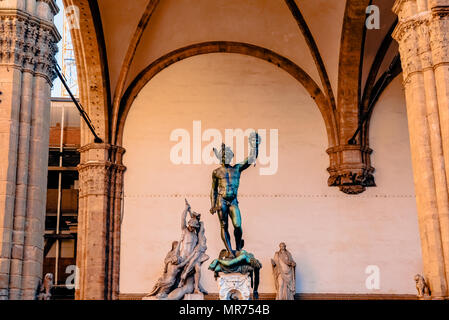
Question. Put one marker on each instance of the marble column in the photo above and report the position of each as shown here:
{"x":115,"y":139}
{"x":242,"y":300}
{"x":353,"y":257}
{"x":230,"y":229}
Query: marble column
{"x":28,"y":40}
{"x":99,"y":219}
{"x":422,"y":34}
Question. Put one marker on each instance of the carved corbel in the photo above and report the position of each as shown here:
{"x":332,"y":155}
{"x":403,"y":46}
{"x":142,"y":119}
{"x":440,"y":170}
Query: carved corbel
{"x":350,"y":168}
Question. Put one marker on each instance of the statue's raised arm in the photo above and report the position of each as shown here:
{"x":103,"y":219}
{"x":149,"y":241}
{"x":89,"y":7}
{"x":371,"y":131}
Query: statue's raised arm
{"x":254,"y":141}
{"x":184,"y":215}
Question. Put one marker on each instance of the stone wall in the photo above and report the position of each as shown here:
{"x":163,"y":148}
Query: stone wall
{"x":332,"y":236}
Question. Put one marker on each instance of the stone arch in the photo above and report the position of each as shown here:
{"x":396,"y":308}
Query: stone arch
{"x":228,"y":47}
{"x":92,"y":68}
{"x":99,"y":177}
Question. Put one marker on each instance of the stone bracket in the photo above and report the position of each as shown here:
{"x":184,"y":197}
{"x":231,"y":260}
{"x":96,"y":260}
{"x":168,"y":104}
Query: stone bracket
{"x":350,"y":168}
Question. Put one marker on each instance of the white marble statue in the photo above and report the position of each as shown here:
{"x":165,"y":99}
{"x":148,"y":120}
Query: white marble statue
{"x":284,"y":274}
{"x":182,"y":270}
{"x":44,"y":292}
{"x":422,"y":287}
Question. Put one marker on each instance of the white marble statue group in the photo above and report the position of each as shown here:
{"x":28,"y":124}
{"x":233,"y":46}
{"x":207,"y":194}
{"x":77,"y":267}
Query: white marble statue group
{"x":182,"y":270}
{"x":182,"y":265}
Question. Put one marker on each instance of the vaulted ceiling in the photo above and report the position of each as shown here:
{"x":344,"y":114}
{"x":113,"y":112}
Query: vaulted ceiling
{"x":325,"y":38}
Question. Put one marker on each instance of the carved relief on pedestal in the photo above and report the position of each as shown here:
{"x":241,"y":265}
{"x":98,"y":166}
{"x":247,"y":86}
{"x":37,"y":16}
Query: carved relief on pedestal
{"x":234,"y":286}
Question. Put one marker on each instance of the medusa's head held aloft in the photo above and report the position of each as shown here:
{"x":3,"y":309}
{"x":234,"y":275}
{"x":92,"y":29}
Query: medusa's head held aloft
{"x":225,"y":155}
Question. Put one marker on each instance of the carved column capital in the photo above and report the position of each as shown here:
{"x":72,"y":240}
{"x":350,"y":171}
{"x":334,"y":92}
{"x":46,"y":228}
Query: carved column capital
{"x":409,"y":33}
{"x":439,"y":35}
{"x":100,"y":164}
{"x":422,"y":36}
{"x":28,"y":43}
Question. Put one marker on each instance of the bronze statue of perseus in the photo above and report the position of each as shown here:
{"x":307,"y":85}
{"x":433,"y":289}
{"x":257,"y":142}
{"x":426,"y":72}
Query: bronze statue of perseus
{"x":225,"y":184}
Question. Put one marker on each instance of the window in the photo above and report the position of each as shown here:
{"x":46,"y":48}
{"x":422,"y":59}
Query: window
{"x":62,"y":197}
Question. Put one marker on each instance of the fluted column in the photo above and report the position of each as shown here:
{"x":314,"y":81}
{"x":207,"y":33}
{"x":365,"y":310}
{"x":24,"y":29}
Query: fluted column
{"x":11,"y":80}
{"x":28,"y":40}
{"x":99,"y":219}
{"x":422,"y":34}
{"x":20,"y":206}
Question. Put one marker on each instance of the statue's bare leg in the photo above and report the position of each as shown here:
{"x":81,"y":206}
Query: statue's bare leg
{"x":183,"y":278}
{"x":187,"y":272}
{"x":179,"y":293}
{"x":236,"y":219}
{"x":203,"y":259}
{"x":223,"y":216}
{"x":197,"y":277}
{"x":200,"y":287}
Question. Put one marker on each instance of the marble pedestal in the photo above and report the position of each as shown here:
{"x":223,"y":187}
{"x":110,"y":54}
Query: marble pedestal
{"x":193,"y":296}
{"x":188,"y":296}
{"x":234,"y":286}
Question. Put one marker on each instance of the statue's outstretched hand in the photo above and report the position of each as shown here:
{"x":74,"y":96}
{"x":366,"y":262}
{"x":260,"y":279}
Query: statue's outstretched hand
{"x":254,"y":140}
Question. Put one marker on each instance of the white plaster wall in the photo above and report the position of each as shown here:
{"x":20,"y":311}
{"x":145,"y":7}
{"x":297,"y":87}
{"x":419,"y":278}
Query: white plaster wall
{"x":332,"y":236}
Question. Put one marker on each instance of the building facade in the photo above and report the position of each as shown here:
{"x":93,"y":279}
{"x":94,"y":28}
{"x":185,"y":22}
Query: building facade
{"x":352,"y":101}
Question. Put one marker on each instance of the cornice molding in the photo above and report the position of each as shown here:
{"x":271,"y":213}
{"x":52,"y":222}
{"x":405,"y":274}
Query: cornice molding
{"x":20,"y":14}
{"x":441,"y":11}
{"x":94,"y":146}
